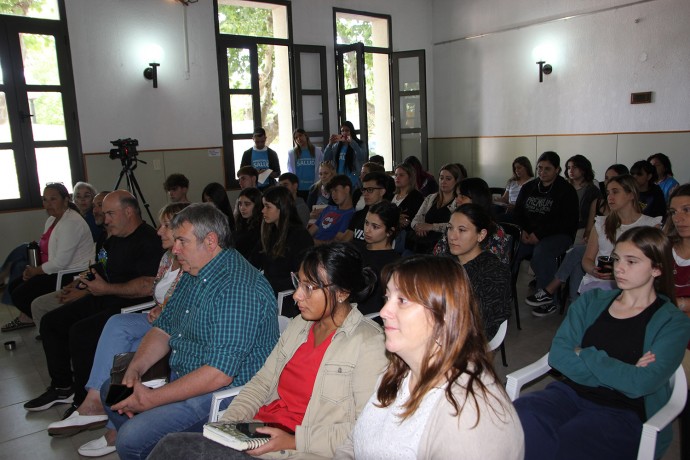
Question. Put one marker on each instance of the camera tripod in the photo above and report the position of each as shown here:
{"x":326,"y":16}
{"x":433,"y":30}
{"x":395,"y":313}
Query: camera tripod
{"x":128,"y":167}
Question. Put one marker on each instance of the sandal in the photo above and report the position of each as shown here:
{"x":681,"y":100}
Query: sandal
{"x":15,"y":325}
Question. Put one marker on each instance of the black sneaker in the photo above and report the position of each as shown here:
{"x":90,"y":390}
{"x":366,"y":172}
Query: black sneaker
{"x":541,"y":297}
{"x":70,"y":410}
{"x":545,"y":310}
{"x":48,"y":399}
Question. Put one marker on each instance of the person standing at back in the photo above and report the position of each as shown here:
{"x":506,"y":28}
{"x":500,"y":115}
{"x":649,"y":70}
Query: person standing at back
{"x":262,"y":158}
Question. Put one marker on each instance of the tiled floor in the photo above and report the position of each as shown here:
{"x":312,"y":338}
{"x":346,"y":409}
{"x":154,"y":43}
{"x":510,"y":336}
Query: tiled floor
{"x":23,"y":375}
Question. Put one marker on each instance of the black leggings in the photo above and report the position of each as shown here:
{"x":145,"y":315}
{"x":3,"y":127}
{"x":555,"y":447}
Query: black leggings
{"x":24,"y":292}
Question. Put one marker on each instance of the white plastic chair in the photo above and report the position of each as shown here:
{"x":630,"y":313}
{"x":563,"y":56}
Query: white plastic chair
{"x":69,"y":271}
{"x":140,"y":307}
{"x":664,"y":416}
{"x":498,"y":341}
{"x":281,"y":298}
{"x":219,"y":396}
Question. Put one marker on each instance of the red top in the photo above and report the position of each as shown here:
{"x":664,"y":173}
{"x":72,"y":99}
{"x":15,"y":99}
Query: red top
{"x":43,"y":243}
{"x":296,"y":384}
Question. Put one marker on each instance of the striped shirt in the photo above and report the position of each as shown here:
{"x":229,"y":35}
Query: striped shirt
{"x":225,"y":317}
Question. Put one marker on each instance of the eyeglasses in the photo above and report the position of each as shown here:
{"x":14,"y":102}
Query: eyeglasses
{"x":371,"y":189}
{"x":308,"y":288}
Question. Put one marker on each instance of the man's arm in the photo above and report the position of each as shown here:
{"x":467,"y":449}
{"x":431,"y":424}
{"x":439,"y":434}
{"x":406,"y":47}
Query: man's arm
{"x":132,"y":289}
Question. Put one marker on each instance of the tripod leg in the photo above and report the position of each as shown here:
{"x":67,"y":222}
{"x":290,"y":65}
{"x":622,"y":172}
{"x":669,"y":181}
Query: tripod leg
{"x":137,"y":190}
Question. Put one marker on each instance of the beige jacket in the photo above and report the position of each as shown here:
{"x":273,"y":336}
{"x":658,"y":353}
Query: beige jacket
{"x":345,"y":381}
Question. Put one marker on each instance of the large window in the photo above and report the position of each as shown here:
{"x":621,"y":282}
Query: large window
{"x":38,"y":121}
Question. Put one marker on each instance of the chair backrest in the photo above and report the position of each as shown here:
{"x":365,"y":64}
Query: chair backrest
{"x":499,"y":337}
{"x":283,"y":322}
{"x":514,"y":232}
{"x":281,"y":298}
{"x":497,"y":190}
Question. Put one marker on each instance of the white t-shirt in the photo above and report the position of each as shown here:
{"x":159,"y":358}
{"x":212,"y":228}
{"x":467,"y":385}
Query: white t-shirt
{"x":164,"y":284}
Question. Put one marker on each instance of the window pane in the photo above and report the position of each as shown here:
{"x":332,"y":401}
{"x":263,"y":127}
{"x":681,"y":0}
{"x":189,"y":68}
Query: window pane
{"x":311,"y":70}
{"x":40,"y":59}
{"x":239,"y":17}
{"x":274,"y":93}
{"x":9,"y":186}
{"x":47,"y":121}
{"x":409,"y":112}
{"x":356,"y":28}
{"x":408,"y":70}
{"x":312,"y":111}
{"x":378,"y":106}
{"x":241,"y":113}
{"x":5,"y":134}
{"x":238,"y":147}
{"x":352,"y":109}
{"x":46,"y":9}
{"x":239,"y":71}
{"x":53,"y":166}
{"x":350,"y":69}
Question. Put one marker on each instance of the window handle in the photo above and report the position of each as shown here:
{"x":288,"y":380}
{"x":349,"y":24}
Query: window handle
{"x":23,"y":115}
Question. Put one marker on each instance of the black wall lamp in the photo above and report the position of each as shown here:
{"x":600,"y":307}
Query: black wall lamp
{"x":544,"y":69}
{"x":151,"y":73}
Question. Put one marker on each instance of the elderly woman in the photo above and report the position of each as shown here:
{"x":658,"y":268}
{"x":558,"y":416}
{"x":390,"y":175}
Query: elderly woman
{"x":440,"y":396}
{"x":66,"y":243}
{"x":83,"y":196}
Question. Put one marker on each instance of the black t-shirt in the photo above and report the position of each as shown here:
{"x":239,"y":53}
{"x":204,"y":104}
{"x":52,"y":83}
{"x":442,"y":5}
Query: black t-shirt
{"x":621,"y":339}
{"x":376,"y":260}
{"x":130,"y":257}
{"x":357,"y":224}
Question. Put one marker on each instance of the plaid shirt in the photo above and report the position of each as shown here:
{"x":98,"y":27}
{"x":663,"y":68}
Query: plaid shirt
{"x":225,"y":317}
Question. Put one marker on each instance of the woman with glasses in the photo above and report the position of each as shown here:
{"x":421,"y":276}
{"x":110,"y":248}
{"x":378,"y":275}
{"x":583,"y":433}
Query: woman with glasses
{"x":283,"y":241}
{"x":651,"y":195}
{"x":304,"y":160}
{"x":439,"y":397}
{"x":319,"y":376}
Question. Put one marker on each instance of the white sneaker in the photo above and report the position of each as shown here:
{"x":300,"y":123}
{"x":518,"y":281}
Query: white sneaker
{"x":96,"y":448}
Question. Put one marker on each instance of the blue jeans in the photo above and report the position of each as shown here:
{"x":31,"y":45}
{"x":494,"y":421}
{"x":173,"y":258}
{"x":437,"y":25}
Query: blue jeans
{"x":571,"y":268}
{"x":136,"y":437}
{"x":122,"y":333}
{"x":16,"y":261}
{"x":543,"y":255}
{"x":560,"y":425}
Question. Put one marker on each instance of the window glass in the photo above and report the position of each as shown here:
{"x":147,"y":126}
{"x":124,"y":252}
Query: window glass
{"x":40,"y":59}
{"x":43,"y":9}
{"x":47,"y":120}
{"x":356,"y":28}
{"x":5,"y":134}
{"x":254,"y":19}
{"x":53,"y":166}
{"x":9,"y":187}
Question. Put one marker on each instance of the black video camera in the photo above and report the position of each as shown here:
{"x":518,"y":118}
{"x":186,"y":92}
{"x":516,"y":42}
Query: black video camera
{"x":126,"y":149}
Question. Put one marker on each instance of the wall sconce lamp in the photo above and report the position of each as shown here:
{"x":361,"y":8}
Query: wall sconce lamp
{"x":151,"y":73}
{"x":544,"y":69}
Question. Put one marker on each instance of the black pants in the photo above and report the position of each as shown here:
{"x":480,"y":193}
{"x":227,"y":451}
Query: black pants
{"x":24,"y":292}
{"x":70,"y":335}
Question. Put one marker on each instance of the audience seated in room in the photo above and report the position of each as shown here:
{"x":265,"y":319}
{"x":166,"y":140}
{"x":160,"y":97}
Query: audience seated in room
{"x":333,"y":221}
{"x":284,"y":240}
{"x":470,"y":225}
{"x":581,"y":176}
{"x":522,"y":172}
{"x":215,"y":194}
{"x":247,"y":177}
{"x":426,"y":183}
{"x":547,"y":212}
{"x":440,"y":396}
{"x":66,"y":243}
{"x":126,"y":266}
{"x":298,"y":386}
{"x":318,"y":195}
{"x":123,"y":333}
{"x":374,"y":190}
{"x":651,"y":195}
{"x":407,"y":198}
{"x":232,"y":330}
{"x":617,"y":351}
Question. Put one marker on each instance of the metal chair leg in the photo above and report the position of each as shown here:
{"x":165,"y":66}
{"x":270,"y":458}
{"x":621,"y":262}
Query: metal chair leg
{"x":503,"y":355}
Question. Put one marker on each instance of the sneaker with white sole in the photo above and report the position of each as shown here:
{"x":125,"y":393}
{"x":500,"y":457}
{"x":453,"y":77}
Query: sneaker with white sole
{"x":541,"y":297}
{"x":545,"y":310}
{"x":76,"y":423}
{"x":48,"y":399}
{"x":96,"y":448}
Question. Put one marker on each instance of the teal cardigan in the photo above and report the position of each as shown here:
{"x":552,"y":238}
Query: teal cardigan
{"x":667,"y":335}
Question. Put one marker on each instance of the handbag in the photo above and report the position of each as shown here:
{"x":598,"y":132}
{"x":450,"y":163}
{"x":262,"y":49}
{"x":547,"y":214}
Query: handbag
{"x":157,"y":376}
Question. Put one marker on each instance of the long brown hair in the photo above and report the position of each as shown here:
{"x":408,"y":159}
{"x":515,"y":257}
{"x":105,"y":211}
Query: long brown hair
{"x":296,"y":147}
{"x":457,"y":173}
{"x":613,"y":220}
{"x":669,"y":226}
{"x":656,"y":247}
{"x":411,"y":173}
{"x":274,"y":236}
{"x":457,"y":344}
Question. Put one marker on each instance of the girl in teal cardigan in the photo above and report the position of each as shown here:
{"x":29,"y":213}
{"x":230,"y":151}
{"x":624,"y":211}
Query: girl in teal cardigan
{"x":617,"y":350}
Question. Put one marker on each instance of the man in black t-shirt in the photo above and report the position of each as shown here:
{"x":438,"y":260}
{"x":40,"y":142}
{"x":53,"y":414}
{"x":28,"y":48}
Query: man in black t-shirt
{"x":123,"y":276}
{"x":374,"y":189}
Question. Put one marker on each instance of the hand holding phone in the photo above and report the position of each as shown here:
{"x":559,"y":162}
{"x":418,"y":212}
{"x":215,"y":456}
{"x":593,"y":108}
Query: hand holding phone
{"x":250,"y":429}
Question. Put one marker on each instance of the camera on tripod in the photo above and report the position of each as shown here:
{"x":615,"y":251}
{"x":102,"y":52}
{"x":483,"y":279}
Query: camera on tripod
{"x":126,"y":149}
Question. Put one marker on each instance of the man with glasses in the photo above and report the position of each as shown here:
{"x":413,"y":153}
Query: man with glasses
{"x":374,"y":190}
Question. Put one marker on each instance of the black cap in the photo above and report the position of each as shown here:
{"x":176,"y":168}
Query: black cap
{"x":259,"y":132}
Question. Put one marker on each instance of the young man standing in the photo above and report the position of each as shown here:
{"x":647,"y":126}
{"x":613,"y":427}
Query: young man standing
{"x":262,"y":158}
{"x":333,"y":220}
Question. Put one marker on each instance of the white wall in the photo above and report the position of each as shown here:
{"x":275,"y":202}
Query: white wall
{"x":489,"y":86}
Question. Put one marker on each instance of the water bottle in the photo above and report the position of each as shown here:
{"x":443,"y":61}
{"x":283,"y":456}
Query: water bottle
{"x":33,"y":254}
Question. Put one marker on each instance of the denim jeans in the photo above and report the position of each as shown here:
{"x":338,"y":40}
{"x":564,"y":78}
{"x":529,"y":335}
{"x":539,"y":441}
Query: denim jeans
{"x":122,"y":333}
{"x":561,"y":425}
{"x":17,"y":261}
{"x":544,"y":255}
{"x":571,"y":268}
{"x":136,"y":437}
